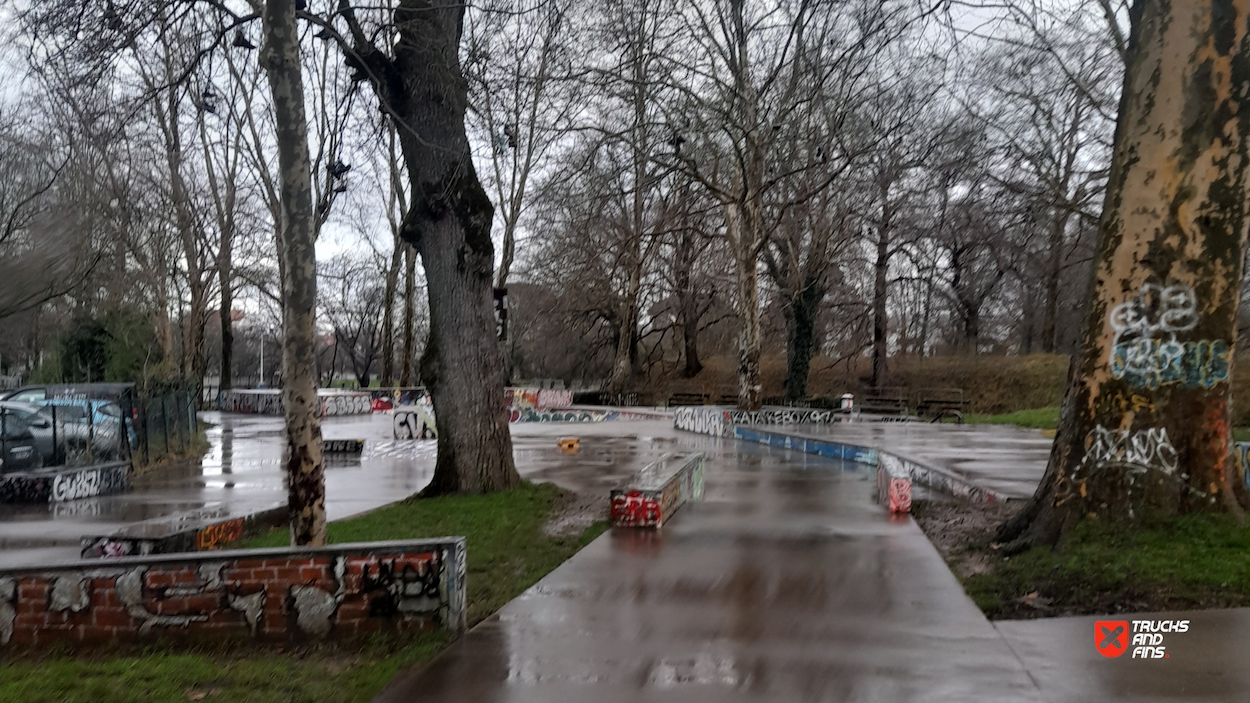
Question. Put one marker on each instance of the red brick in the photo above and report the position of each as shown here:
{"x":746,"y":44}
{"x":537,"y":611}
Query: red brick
{"x":308,"y":573}
{"x":111,"y":617}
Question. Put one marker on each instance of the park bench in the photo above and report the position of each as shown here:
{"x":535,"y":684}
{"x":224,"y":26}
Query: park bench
{"x":887,"y":400}
{"x":686,"y":399}
{"x":650,"y":497}
{"x":937,"y":404}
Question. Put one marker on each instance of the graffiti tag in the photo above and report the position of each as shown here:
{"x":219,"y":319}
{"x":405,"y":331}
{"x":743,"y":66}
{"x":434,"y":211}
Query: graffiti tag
{"x":1145,"y":351}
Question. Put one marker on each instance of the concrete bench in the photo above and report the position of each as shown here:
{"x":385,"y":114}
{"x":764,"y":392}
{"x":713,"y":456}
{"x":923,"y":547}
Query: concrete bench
{"x":650,"y":497}
{"x":687,"y":399}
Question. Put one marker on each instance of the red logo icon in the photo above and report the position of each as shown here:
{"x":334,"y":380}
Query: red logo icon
{"x":1111,"y":637}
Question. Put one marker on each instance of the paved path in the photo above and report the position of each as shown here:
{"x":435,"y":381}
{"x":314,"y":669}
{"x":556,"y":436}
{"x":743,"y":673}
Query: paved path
{"x":1010,"y":460}
{"x":787,"y":583}
{"x":1207,"y":663}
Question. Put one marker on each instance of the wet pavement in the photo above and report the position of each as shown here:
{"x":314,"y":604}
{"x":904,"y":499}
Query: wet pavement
{"x":787,"y":583}
{"x":1003,"y":458}
{"x":242,"y":473}
{"x":1206,"y":663}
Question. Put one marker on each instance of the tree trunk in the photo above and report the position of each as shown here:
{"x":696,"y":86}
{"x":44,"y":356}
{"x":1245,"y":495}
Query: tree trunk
{"x":281,"y":60}
{"x":627,"y":339}
{"x":687,"y":300}
{"x":448,"y":222}
{"x":1144,"y":428}
{"x":880,"y":318}
{"x":741,"y":221}
{"x":225,"y":278}
{"x":801,"y":321}
{"x":410,"y":314}
{"x":388,"y":315}
{"x":1054,"y":269}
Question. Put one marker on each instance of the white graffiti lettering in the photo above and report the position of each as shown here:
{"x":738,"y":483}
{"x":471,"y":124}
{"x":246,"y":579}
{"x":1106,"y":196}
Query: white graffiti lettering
{"x":701,"y":420}
{"x":90,"y":483}
{"x":1144,"y":449}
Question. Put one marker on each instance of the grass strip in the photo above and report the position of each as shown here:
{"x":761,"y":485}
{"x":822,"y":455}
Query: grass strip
{"x":1194,"y":561}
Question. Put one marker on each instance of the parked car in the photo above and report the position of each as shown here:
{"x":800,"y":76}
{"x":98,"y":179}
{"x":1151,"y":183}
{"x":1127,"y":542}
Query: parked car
{"x":39,"y":419}
{"x":17,"y":444}
{"x":101,"y":391}
{"x":89,"y":423}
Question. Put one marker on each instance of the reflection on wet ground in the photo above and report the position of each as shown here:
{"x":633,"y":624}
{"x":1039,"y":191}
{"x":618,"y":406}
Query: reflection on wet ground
{"x":241,"y":473}
{"x":1010,"y":460}
{"x":787,"y":583}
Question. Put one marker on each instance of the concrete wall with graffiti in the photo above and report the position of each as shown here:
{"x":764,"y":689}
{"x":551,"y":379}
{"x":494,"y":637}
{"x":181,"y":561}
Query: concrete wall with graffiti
{"x":720,"y":422}
{"x":191,"y":531}
{"x":65,"y":484}
{"x":417,"y":421}
{"x":650,"y":497}
{"x":893,"y":484}
{"x":330,"y":402}
{"x":288,"y":595}
{"x":539,"y":398}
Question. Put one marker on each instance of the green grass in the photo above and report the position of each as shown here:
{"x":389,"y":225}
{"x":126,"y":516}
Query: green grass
{"x":1048,"y":419}
{"x":507,"y":553}
{"x":1187,"y":562}
{"x":1037,"y":418}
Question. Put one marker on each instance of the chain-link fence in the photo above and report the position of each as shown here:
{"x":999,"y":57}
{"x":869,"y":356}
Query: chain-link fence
{"x":78,"y":426}
{"x":162,"y":425}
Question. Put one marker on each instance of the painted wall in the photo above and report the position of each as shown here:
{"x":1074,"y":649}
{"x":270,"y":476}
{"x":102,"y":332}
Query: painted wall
{"x":269,"y":402}
{"x":541,"y":399}
{"x":289,"y":594}
{"x":66,"y":484}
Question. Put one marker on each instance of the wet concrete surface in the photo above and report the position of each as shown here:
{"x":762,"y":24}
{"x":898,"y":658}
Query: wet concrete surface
{"x":242,"y":473}
{"x":1010,"y":460}
{"x":787,"y":583}
{"x":1206,"y":663}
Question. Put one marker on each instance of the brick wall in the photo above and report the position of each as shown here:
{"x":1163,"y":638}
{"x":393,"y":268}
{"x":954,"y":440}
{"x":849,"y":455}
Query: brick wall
{"x":287,"y":594}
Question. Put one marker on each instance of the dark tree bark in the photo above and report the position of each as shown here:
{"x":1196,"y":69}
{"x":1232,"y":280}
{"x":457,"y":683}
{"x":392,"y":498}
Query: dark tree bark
{"x":1054,"y":270}
{"x":296,"y":250}
{"x":388,"y":315}
{"x":225,"y":282}
{"x":409,"y":341}
{"x":880,"y":290}
{"x":423,"y":91}
{"x":801,"y":324}
{"x":1144,"y":428}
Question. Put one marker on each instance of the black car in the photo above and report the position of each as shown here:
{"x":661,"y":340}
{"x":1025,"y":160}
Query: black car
{"x":40,"y":420}
{"x":18,"y":450}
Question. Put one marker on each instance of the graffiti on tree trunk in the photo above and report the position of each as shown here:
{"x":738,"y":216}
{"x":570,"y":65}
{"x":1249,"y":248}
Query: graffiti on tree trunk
{"x":1145,"y":351}
{"x":1137,"y":449}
